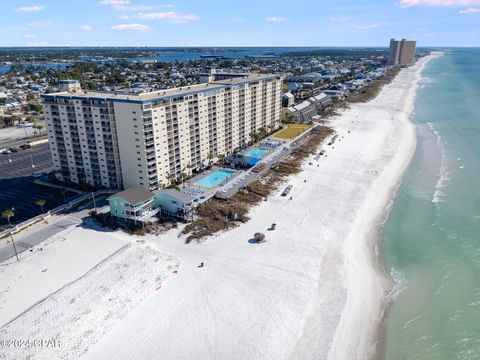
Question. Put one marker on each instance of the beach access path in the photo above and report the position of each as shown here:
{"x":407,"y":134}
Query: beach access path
{"x":314,"y":290}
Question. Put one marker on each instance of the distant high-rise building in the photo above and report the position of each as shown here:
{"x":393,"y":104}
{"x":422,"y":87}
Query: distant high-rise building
{"x":402,"y":52}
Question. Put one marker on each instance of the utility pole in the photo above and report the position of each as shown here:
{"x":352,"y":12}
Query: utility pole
{"x":13,"y":243}
{"x":8,"y":214}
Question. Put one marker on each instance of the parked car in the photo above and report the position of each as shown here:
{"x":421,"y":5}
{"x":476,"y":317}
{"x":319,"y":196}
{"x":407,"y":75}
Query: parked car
{"x":25,"y":146}
{"x":13,"y":149}
{"x":6,"y":151}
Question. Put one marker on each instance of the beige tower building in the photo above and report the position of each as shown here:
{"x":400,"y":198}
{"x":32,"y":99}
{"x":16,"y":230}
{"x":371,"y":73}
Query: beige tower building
{"x":120,"y":140}
{"x":401,"y":52}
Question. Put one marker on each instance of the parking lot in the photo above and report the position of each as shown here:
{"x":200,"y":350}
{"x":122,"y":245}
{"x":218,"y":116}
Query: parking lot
{"x":25,"y":162}
{"x":17,"y":189}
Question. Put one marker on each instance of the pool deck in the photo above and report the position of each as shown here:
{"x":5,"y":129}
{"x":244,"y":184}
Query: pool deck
{"x":207,"y":193}
{"x":242,"y":178}
{"x":275,"y":156}
{"x":232,"y":187}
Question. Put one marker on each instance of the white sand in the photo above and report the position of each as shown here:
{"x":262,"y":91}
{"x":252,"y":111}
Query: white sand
{"x":75,"y":290}
{"x":62,"y":259}
{"x":313,"y":291}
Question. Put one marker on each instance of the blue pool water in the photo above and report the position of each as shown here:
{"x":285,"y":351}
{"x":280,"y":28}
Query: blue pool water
{"x":214,"y":178}
{"x":256,"y":153}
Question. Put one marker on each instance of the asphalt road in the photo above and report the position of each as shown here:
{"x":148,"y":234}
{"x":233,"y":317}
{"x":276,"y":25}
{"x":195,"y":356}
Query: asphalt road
{"x":27,"y":242}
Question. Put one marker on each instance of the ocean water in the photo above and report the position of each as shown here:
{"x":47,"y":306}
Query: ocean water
{"x":431,"y":240}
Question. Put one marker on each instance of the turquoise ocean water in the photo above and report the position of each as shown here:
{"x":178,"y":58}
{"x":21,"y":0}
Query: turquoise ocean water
{"x":431,"y":240}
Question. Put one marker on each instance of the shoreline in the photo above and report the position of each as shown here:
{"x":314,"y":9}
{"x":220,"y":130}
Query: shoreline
{"x":379,"y":344}
{"x":379,"y":209}
{"x":315,"y":289}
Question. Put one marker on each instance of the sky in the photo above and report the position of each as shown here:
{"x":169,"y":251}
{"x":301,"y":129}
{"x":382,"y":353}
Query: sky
{"x":238,"y":22}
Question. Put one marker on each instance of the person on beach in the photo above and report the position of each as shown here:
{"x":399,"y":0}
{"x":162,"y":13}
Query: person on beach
{"x":201,"y":265}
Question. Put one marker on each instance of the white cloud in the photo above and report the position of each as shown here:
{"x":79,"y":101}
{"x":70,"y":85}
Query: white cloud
{"x":470,"y":11}
{"x":367,"y":26}
{"x":130,"y":27}
{"x":38,"y":43}
{"x":114,"y":2}
{"x":169,"y":16}
{"x":438,"y":3}
{"x":32,"y":8}
{"x":339,"y":19}
{"x":86,"y":28}
{"x":29,"y":36}
{"x":125,"y":5}
{"x":276,"y":19}
{"x":40,"y":24}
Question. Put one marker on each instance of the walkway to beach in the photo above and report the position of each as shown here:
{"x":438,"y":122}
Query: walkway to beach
{"x":282,"y":152}
{"x":231,"y":188}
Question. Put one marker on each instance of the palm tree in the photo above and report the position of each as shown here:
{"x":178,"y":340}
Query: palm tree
{"x":7,"y":214}
{"x":270,"y":128}
{"x":253,"y":136}
{"x":81,"y":178}
{"x":210,"y":158}
{"x":170,"y":177}
{"x":34,"y":127}
{"x":222,"y":158}
{"x":262,"y":132}
{"x":65,"y":175}
{"x":183,"y":177}
{"x":40,"y":202}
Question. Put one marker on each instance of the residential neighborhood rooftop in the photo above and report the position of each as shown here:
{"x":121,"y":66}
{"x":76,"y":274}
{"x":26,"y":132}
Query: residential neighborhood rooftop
{"x":163,"y":94}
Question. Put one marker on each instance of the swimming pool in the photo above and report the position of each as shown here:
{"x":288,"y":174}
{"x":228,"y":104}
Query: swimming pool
{"x":256,"y":153}
{"x":214,"y":178}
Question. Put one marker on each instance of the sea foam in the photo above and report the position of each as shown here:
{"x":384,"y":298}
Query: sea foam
{"x":442,"y":182}
{"x":401,"y":284}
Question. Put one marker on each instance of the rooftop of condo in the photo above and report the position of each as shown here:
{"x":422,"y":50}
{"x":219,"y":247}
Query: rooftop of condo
{"x":162,"y":94}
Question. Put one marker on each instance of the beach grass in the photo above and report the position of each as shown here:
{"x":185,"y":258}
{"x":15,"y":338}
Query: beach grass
{"x":291,"y":131}
{"x":212,"y":217}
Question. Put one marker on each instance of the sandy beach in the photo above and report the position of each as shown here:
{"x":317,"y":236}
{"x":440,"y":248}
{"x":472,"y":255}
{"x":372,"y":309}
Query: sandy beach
{"x":314,"y":290}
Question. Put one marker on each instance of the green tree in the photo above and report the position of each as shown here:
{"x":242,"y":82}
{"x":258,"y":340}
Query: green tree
{"x":7,"y":214}
{"x":170,"y":178}
{"x":40,"y":202}
{"x":210,"y":158}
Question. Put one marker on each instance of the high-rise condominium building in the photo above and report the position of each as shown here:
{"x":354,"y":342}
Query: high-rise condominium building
{"x":120,"y":140}
{"x":402,"y":52}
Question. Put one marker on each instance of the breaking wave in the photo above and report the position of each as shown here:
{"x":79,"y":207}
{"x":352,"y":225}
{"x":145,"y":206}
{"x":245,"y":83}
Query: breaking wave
{"x":401,"y":284}
{"x":442,"y":182}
